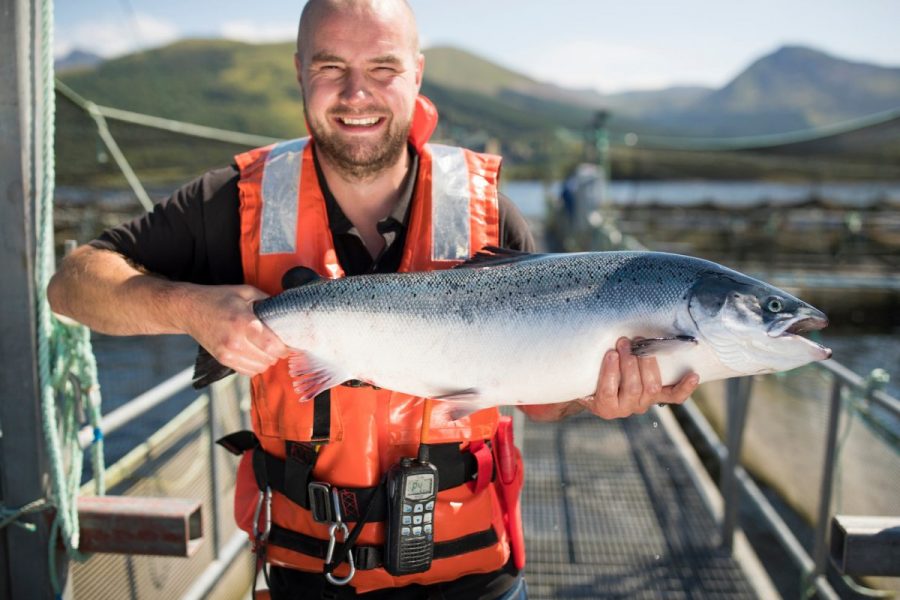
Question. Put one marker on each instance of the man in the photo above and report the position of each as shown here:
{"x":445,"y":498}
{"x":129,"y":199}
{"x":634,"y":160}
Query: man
{"x":356,"y":197}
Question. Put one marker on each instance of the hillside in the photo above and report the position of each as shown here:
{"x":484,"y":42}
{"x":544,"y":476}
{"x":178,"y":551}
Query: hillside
{"x":791,"y":89}
{"x":539,"y":126}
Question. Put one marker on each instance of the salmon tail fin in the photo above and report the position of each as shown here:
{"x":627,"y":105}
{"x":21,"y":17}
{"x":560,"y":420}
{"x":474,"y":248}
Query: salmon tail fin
{"x":208,"y":370}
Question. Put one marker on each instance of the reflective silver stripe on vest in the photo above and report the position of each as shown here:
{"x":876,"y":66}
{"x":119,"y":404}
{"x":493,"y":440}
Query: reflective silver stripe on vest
{"x":449,"y":203}
{"x":280,"y":200}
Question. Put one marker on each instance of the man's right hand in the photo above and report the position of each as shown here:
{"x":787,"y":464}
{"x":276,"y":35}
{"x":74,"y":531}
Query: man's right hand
{"x":102,"y":290}
{"x":222,"y":320}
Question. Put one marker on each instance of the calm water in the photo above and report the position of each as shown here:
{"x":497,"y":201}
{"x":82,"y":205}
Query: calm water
{"x":529,"y":196}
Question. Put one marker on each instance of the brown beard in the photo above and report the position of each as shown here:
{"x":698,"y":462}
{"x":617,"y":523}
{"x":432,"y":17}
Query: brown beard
{"x":359,"y":161}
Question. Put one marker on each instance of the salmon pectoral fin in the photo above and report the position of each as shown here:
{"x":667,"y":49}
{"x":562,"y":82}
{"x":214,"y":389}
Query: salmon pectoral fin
{"x":311,"y":376}
{"x":661,"y":345}
{"x":458,"y":404}
{"x":207,"y":369}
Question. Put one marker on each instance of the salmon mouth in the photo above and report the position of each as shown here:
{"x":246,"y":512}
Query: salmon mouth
{"x":804,"y":325}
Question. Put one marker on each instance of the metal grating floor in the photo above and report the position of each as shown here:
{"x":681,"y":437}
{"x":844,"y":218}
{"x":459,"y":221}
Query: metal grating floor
{"x":610,"y":511}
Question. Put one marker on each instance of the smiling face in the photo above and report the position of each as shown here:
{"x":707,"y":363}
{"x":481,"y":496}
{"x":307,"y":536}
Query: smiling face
{"x":360,"y":70}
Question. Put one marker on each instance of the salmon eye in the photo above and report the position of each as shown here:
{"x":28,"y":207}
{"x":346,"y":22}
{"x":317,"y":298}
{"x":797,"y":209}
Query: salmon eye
{"x":774,"y":305}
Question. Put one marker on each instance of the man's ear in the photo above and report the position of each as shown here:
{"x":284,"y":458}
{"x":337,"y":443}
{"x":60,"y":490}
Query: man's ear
{"x":420,"y":70}
{"x":298,"y":67}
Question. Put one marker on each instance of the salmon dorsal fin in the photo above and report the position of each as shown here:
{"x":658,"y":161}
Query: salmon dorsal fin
{"x":493,"y":256}
{"x":298,"y":276}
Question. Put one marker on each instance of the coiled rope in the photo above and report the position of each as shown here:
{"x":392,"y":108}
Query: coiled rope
{"x":67,"y":370}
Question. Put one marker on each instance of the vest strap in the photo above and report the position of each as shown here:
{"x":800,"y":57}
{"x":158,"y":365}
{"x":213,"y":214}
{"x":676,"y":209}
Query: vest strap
{"x":321,"y":431}
{"x":291,"y":477}
{"x":372,"y":557}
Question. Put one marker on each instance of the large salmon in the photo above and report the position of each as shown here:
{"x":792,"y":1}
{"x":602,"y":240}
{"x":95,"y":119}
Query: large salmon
{"x":516,"y":328}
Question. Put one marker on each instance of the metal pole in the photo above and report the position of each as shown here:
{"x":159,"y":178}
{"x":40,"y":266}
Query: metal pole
{"x":737,"y":400}
{"x":138,"y":406}
{"x":24,"y":566}
{"x":213,"y":469}
{"x":834,"y":416}
{"x":758,"y":500}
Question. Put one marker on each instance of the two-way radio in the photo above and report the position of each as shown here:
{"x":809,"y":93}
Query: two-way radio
{"x":411,"y":493}
{"x":412,"y":487}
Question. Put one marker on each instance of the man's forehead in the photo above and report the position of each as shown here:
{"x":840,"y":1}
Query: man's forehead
{"x":336,"y":56}
{"x":386,"y":27}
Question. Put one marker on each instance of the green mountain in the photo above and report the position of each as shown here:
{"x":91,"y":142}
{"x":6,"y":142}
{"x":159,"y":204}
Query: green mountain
{"x":219,"y":83}
{"x":791,"y":89}
{"x":538,"y":127}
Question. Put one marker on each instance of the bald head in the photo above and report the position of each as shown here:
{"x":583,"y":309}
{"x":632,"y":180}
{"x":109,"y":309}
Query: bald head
{"x":396,"y":11}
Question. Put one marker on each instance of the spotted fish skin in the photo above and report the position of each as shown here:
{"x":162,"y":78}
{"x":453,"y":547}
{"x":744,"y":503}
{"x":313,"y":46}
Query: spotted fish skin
{"x":514,"y":328}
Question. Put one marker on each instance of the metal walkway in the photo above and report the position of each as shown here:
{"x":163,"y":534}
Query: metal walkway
{"x":611,"y":511}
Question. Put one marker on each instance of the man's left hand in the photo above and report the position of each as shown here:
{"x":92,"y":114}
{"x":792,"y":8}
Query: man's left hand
{"x":626,"y":385}
{"x":629,"y":385}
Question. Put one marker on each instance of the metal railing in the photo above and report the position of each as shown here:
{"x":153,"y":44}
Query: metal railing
{"x":223,"y":552}
{"x":735,"y":481}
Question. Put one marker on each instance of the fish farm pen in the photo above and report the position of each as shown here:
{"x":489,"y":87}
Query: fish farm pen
{"x":771,"y":486}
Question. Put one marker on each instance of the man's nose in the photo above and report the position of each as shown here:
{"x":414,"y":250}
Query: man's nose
{"x":356,"y":86}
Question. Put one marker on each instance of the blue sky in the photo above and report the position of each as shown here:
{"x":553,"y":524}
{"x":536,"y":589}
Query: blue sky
{"x":603,"y":44}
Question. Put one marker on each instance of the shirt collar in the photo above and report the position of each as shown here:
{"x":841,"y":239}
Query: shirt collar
{"x":338,"y":221}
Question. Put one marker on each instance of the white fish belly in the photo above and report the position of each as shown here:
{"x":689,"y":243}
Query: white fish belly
{"x":537,"y":360}
{"x":503,"y":363}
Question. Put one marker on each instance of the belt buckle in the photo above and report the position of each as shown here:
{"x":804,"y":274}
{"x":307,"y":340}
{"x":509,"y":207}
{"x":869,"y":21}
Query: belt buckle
{"x":320,"y":503}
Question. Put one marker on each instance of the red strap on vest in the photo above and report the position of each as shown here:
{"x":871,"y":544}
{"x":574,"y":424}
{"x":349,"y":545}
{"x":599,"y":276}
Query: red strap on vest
{"x":485,"y":460}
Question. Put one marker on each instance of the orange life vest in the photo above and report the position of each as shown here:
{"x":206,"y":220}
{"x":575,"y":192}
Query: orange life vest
{"x":284,"y":224}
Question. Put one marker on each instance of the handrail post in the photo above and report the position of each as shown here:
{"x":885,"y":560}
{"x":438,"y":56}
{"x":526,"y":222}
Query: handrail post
{"x":737,"y":400}
{"x":24,"y":566}
{"x":834,"y":414}
{"x":213,"y":470}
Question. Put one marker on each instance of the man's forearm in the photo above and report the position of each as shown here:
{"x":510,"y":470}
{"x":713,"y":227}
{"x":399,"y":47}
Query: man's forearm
{"x":102,"y":290}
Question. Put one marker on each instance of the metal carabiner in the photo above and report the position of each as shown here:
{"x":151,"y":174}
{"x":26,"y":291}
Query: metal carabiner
{"x":332,"y":540}
{"x":264,"y":498}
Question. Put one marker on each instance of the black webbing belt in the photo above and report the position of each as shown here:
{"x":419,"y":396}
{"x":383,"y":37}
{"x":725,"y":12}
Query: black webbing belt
{"x":371,"y":557}
{"x":292,"y":476}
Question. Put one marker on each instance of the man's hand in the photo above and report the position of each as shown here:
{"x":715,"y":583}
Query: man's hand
{"x":626,"y":385}
{"x":100,"y":289}
{"x":222,"y":320}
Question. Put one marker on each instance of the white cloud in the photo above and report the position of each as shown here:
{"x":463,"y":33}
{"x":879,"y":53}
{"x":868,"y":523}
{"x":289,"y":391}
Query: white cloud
{"x":245,"y":31}
{"x":114,"y":37}
{"x":610,"y":66}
